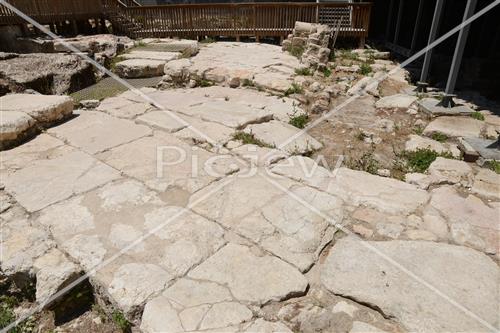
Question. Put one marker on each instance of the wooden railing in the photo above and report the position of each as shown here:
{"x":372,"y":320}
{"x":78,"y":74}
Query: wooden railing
{"x":49,"y":11}
{"x":242,"y":19}
{"x":192,"y":20}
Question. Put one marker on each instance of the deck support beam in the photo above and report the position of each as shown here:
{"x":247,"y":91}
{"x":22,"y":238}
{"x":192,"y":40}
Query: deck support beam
{"x":459,"y":52}
{"x":432,"y":36}
{"x":398,"y":22}
{"x":417,"y":26}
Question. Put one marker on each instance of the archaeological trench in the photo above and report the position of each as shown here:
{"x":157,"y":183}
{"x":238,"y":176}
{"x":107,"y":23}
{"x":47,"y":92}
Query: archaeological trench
{"x":222,"y":186}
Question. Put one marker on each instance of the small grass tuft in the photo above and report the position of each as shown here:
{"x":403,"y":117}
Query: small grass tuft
{"x":439,"y":137}
{"x":326,"y":72}
{"x":249,"y":139}
{"x":494,"y":165}
{"x":120,"y":321}
{"x":204,"y":83}
{"x":248,"y":83}
{"x":299,"y":121}
{"x":294,"y":89}
{"x":297,"y":51}
{"x":366,"y":162}
{"x":477,"y":115}
{"x":208,"y":40}
{"x":421,"y":159}
{"x":347,"y":54}
{"x":303,"y":71}
{"x":365,"y":69}
{"x":419,"y":130}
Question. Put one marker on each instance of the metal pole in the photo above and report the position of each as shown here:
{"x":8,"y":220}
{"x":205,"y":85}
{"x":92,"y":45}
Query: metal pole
{"x":398,"y":23}
{"x":460,"y":47}
{"x":432,"y":36}
{"x":417,"y":25}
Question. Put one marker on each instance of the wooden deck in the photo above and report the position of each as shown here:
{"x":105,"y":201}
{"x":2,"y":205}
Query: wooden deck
{"x":195,"y":20}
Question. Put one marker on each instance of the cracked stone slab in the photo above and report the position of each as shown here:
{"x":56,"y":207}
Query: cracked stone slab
{"x":281,"y":108}
{"x":445,"y":170}
{"x":304,"y":170}
{"x":90,"y":131}
{"x":162,"y":120}
{"x":97,"y":225}
{"x":227,"y":113}
{"x":385,"y":194}
{"x":151,"y":55}
{"x":463,"y":274}
{"x":472,"y":223}
{"x":259,"y":156}
{"x":487,"y":184}
{"x":200,"y":131}
{"x":14,"y":125}
{"x":276,"y":134}
{"x":176,"y":160}
{"x":53,"y":271}
{"x":419,"y":142}
{"x":45,"y":109}
{"x":396,"y":101}
{"x":45,"y":182}
{"x":455,"y":126}
{"x":251,"y":278}
{"x":139,"y":68}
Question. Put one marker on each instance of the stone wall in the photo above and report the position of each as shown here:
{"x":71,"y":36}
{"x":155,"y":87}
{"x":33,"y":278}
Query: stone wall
{"x":310,"y":43}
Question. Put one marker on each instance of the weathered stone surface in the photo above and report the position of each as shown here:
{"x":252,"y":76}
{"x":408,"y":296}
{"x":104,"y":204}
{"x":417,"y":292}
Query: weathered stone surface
{"x":227,"y":113}
{"x":22,"y":243}
{"x":134,"y":283}
{"x":264,"y":326}
{"x":431,"y":107}
{"x":13,"y":126}
{"x":90,"y":131}
{"x":47,"y":73}
{"x":361,"y":327}
{"x":43,"y":108}
{"x":455,"y":126}
{"x":472,"y":223}
{"x":259,"y":156}
{"x":163,"y":120}
{"x":236,"y":64}
{"x":487,"y":184}
{"x":396,"y":101}
{"x":163,"y":162}
{"x":419,"y":142}
{"x":123,"y":107}
{"x":445,"y":170}
{"x":186,"y":46}
{"x":305,"y":170}
{"x":200,"y":131}
{"x":45,"y":182}
{"x":464,"y":275}
{"x":284,"y":137}
{"x":260,"y":279}
{"x":386,"y":194}
{"x":53,"y":272}
{"x":151,"y":55}
{"x":139,"y":68}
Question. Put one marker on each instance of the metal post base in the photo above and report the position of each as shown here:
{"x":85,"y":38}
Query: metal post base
{"x":422,"y":87}
{"x":447,"y":101}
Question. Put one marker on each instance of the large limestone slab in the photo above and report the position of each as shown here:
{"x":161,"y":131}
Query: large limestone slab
{"x":466,"y":276}
{"x":160,"y":241}
{"x":95,"y":132}
{"x":471,"y":222}
{"x":487,"y":184}
{"x":48,"y":181}
{"x":163,"y":120}
{"x":445,"y":170}
{"x":151,"y":55}
{"x":417,"y":142}
{"x":305,"y":170}
{"x":186,"y":46}
{"x":14,"y":125}
{"x":139,"y":68}
{"x":251,"y":278}
{"x":285,"y":137}
{"x":402,"y":101}
{"x":384,"y":194}
{"x":227,"y":113}
{"x":200,"y":131}
{"x":163,"y":162}
{"x":455,"y":126}
{"x":190,"y":305}
{"x":45,"y":109}
{"x":123,"y":107}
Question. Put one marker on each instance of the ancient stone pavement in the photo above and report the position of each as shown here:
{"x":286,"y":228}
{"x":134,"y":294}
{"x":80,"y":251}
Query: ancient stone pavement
{"x":240,"y":237}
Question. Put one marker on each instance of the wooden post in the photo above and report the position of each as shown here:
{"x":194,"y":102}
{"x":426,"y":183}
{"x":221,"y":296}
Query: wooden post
{"x":361,"y":44}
